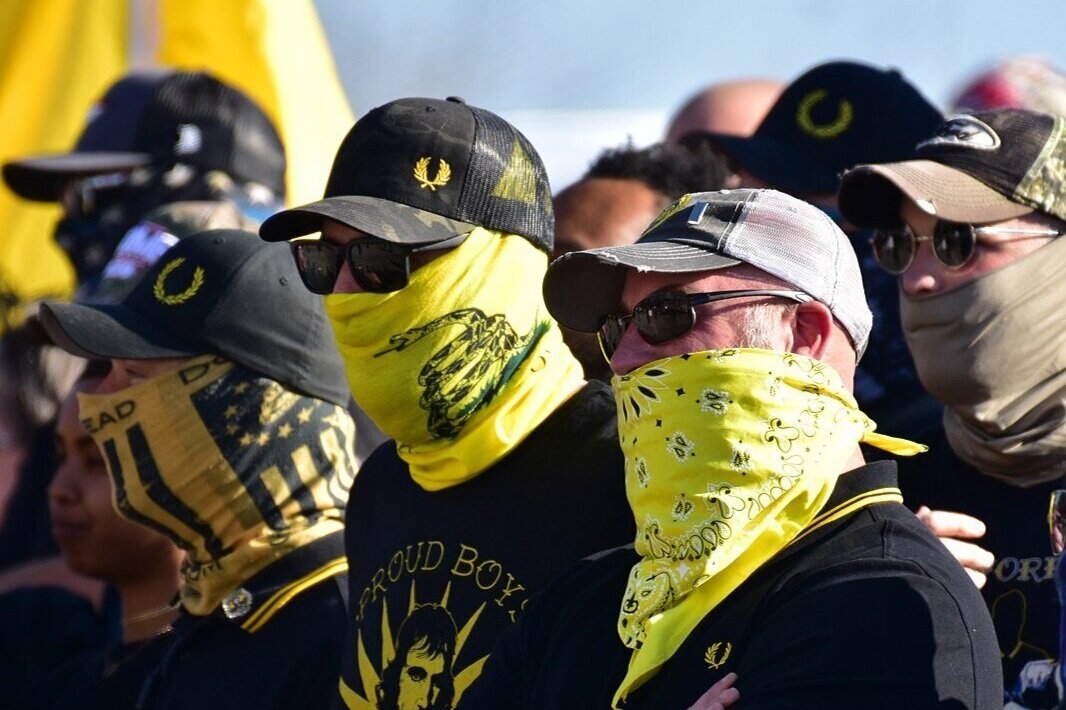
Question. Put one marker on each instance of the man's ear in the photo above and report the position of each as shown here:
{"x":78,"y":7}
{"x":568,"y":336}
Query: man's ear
{"x":812,"y":327}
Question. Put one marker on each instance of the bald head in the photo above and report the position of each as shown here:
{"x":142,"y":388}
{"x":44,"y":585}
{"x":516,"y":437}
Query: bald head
{"x":731,"y":107}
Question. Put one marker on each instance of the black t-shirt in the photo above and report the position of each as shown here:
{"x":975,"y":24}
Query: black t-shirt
{"x":1020,"y":590}
{"x":278,"y":650}
{"x":436,"y":577}
{"x":866,"y":611}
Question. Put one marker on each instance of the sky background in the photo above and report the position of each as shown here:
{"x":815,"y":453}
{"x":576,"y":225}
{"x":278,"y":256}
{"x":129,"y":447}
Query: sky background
{"x":581,"y":75}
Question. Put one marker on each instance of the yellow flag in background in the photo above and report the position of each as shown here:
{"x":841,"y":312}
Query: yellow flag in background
{"x":56,"y":58}
{"x":276,"y":52}
{"x":59,"y":56}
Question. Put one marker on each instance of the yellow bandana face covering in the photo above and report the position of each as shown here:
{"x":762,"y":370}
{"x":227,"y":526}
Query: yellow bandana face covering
{"x":729,"y":455}
{"x":233,"y":467}
{"x":462,"y":364}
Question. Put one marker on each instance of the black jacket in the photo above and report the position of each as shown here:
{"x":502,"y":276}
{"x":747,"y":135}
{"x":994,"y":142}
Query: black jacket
{"x":868,"y":610}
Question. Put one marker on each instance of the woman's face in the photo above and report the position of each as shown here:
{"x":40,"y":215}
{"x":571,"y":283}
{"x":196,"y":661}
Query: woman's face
{"x":94,"y":539}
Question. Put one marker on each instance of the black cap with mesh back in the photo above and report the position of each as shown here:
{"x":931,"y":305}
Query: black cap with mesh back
{"x":221,"y":291}
{"x":982,"y":167}
{"x":162,"y":119}
{"x":424,"y":170}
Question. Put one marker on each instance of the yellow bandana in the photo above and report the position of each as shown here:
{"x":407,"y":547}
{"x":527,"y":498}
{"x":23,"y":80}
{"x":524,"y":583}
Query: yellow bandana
{"x":464,"y":363}
{"x":729,"y":455}
{"x":233,"y":467}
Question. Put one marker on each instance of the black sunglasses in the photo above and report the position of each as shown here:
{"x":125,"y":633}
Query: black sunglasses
{"x":377,"y":266}
{"x":667,"y":315}
{"x":954,"y":244}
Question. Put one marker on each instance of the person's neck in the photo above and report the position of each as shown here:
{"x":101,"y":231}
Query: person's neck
{"x":855,"y":461}
{"x":147,"y":606}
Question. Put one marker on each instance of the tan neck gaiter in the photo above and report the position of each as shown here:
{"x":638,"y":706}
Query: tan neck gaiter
{"x":994,"y":352}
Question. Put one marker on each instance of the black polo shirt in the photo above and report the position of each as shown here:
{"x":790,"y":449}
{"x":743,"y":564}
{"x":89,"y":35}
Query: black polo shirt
{"x":867,"y":610}
{"x":448,"y":571}
{"x":1020,"y":588}
{"x":279,"y":647}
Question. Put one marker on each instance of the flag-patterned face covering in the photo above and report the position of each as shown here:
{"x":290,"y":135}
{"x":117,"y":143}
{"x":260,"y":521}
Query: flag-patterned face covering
{"x":729,"y":455}
{"x":232,"y":466}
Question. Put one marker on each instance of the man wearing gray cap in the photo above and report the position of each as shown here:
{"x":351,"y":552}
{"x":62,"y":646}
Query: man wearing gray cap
{"x":766,"y":546}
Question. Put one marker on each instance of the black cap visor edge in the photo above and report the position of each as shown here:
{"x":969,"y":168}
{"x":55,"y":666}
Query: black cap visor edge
{"x":108,"y":331}
{"x":41,"y":178}
{"x":777,"y":164}
{"x":367,"y":214}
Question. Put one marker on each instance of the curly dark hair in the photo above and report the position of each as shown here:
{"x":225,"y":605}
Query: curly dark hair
{"x":670,"y":170}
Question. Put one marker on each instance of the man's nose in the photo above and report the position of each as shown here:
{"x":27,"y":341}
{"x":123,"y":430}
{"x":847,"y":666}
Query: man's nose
{"x":632,"y":352}
{"x":923,"y":276}
{"x":345,"y":282}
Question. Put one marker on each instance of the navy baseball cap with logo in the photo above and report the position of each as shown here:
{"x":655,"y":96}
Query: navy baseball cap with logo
{"x":977,"y":168}
{"x":223,"y":292}
{"x":831,"y":118}
{"x":160,"y":119}
{"x":419,"y":171}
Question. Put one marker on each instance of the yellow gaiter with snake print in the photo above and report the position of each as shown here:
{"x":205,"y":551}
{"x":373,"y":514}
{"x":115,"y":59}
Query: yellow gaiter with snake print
{"x":233,"y":467}
{"x":462,"y":364}
{"x":729,"y":455}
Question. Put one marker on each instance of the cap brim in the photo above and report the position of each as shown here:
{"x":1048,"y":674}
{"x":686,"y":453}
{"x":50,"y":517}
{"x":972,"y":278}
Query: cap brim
{"x":775,"y":163}
{"x":870,"y":195}
{"x":582,"y":287}
{"x":384,"y":219}
{"x":42,"y":178}
{"x":109,"y":331}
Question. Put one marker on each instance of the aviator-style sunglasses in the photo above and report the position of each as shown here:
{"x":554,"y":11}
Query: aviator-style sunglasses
{"x":377,"y":266}
{"x":667,"y":315}
{"x":954,"y":244}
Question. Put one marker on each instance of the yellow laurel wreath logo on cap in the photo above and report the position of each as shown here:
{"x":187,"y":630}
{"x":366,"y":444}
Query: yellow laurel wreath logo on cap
{"x":444,"y":173}
{"x":176,"y":299}
{"x":832,"y":129}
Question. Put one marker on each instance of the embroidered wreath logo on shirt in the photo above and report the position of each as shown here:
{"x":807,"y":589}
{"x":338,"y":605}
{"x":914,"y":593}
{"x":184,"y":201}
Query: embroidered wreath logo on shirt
{"x":832,"y":129}
{"x":176,"y":299}
{"x":716,"y":656}
{"x":444,"y":173}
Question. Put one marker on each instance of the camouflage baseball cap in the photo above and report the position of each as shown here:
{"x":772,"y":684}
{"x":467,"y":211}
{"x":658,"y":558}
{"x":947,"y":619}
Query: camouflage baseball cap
{"x":419,"y":171}
{"x":977,"y":168}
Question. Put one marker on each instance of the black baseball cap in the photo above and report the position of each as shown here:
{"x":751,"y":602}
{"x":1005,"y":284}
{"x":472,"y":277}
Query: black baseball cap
{"x":976,"y":168}
{"x":162,"y":118}
{"x":831,"y":118}
{"x":424,"y":170}
{"x":224,"y":292}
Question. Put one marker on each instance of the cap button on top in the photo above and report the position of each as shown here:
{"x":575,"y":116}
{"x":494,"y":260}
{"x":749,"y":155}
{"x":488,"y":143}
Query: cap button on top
{"x":456,"y":100}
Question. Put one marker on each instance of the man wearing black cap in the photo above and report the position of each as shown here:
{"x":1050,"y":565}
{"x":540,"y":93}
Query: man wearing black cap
{"x":223,"y":426}
{"x":437,"y":224}
{"x":830,"y":118}
{"x":766,"y":546}
{"x":157,"y":138}
{"x":973,"y":228}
